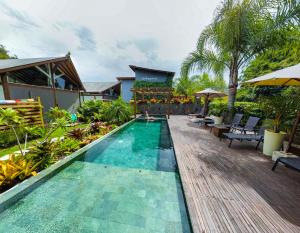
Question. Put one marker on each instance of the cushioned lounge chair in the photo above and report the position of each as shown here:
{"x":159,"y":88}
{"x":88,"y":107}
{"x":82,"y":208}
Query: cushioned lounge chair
{"x":290,"y":162}
{"x":259,"y":137}
{"x":249,"y":126}
{"x":235,"y":122}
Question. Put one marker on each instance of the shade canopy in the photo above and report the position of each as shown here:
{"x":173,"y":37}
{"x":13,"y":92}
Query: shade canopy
{"x":285,"y":77}
{"x":210,"y":93}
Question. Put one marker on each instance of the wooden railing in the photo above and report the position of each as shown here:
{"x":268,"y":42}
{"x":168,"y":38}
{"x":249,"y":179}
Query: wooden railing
{"x":30,"y":110}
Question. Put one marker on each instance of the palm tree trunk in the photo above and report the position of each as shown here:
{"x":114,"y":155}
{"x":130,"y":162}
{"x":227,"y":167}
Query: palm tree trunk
{"x":233,"y":84}
{"x":18,"y":141}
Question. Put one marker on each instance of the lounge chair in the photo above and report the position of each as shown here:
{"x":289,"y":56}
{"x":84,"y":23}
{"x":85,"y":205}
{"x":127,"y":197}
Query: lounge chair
{"x":149,"y":118}
{"x":259,"y":137}
{"x":290,"y":162}
{"x":199,"y":114}
{"x":235,"y":122}
{"x":249,"y":126}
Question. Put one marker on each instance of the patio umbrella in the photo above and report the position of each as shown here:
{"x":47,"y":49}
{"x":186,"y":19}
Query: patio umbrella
{"x":209,"y":94}
{"x":286,"y":77}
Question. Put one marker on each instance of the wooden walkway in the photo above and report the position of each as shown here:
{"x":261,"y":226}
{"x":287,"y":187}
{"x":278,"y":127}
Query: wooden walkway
{"x":233,"y":189}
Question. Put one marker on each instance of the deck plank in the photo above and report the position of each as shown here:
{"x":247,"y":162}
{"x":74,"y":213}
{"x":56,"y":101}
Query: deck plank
{"x":233,"y":189}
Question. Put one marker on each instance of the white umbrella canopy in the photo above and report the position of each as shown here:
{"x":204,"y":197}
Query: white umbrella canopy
{"x":285,"y":77}
{"x":210,"y":93}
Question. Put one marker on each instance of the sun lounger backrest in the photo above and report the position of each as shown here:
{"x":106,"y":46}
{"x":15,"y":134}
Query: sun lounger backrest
{"x":251,"y":123}
{"x":237,"y":119}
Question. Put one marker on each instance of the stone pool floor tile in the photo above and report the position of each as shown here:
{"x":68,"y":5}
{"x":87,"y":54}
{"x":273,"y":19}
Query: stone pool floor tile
{"x":118,"y":200}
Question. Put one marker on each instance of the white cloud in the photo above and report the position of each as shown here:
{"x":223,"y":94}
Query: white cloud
{"x":104,"y":37}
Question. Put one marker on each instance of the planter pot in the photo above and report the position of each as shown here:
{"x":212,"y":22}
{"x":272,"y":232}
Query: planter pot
{"x":218,"y":120}
{"x":272,"y":142}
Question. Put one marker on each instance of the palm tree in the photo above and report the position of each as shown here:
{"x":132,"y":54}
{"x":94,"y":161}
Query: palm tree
{"x":239,"y":31}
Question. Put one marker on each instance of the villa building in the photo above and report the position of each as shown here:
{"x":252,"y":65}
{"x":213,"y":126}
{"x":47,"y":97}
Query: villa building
{"x":144,"y":76}
{"x":53,"y":79}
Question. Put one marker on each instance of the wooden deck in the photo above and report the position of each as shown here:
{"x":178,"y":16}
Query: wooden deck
{"x":233,"y":189}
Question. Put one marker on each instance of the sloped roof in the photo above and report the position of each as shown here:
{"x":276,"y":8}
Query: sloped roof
{"x":65,"y":64}
{"x":134,"y":68}
{"x":99,"y":86}
{"x":126,"y":78}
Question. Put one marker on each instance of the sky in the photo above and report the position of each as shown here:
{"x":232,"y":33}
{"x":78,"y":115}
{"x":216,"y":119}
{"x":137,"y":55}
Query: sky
{"x":104,"y":37}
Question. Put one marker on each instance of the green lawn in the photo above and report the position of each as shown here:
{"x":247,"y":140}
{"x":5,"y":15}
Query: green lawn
{"x":58,"y":133}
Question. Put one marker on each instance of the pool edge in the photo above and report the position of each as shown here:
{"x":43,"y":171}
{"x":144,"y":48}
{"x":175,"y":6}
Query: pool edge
{"x":12,"y":195}
{"x":182,"y":183}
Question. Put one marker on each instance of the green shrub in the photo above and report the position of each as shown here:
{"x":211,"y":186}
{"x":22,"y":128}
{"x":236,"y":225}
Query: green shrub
{"x":56,"y":113}
{"x":145,"y":84}
{"x":42,"y":153}
{"x":65,"y":147}
{"x":217,"y":108}
{"x":282,"y":109}
{"x":118,"y":112}
{"x":91,"y":110}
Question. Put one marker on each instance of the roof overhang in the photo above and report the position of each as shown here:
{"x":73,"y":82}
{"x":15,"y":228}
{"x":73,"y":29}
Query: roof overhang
{"x":64,"y":64}
{"x":126,"y":78}
{"x":135,"y":68}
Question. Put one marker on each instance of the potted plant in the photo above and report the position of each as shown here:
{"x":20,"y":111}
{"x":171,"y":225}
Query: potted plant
{"x":216,"y":110}
{"x":280,"y":109}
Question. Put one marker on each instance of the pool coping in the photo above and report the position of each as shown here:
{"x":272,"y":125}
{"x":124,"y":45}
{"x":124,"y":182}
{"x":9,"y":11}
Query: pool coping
{"x":183,"y":184}
{"x":20,"y":190}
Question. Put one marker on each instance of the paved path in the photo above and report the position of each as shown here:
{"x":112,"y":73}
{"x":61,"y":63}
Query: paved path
{"x":233,"y":189}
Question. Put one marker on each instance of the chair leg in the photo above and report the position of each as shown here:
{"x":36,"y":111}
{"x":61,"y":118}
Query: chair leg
{"x":257,"y":145}
{"x":229,"y":145}
{"x":275,"y":164}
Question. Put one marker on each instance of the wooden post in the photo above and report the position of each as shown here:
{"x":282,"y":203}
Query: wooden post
{"x":293,"y":132}
{"x":5,"y":86}
{"x":168,"y":99}
{"x":79,"y":97}
{"x":135,"y":104}
{"x":41,"y":111}
{"x":53,"y":85}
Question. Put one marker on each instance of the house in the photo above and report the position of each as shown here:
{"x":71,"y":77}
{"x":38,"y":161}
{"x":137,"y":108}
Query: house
{"x":101,"y":90}
{"x":53,"y":79}
{"x":144,"y":76}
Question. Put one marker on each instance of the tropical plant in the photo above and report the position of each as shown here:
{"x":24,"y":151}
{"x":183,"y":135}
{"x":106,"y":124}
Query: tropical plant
{"x":96,"y":127}
{"x":118,"y":112}
{"x":281,"y":108}
{"x":145,"y":84}
{"x":56,"y":113}
{"x":281,"y":55}
{"x":42,"y":153}
{"x":217,"y":108}
{"x":239,"y":31}
{"x":188,"y":86}
{"x":15,"y":170}
{"x":54,"y":125}
{"x":65,"y":147}
{"x":10,"y":118}
{"x":87,"y":140}
{"x":91,"y":110}
{"x":77,"y":133}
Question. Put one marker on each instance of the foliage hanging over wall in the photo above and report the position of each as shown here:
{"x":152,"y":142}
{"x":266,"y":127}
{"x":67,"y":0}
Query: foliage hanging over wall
{"x":145,"y":84}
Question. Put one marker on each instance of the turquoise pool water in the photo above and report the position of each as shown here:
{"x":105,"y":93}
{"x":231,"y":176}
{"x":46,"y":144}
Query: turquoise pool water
{"x":126,"y":183}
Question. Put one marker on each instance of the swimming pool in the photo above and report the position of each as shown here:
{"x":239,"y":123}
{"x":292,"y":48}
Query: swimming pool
{"x":126,"y":183}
